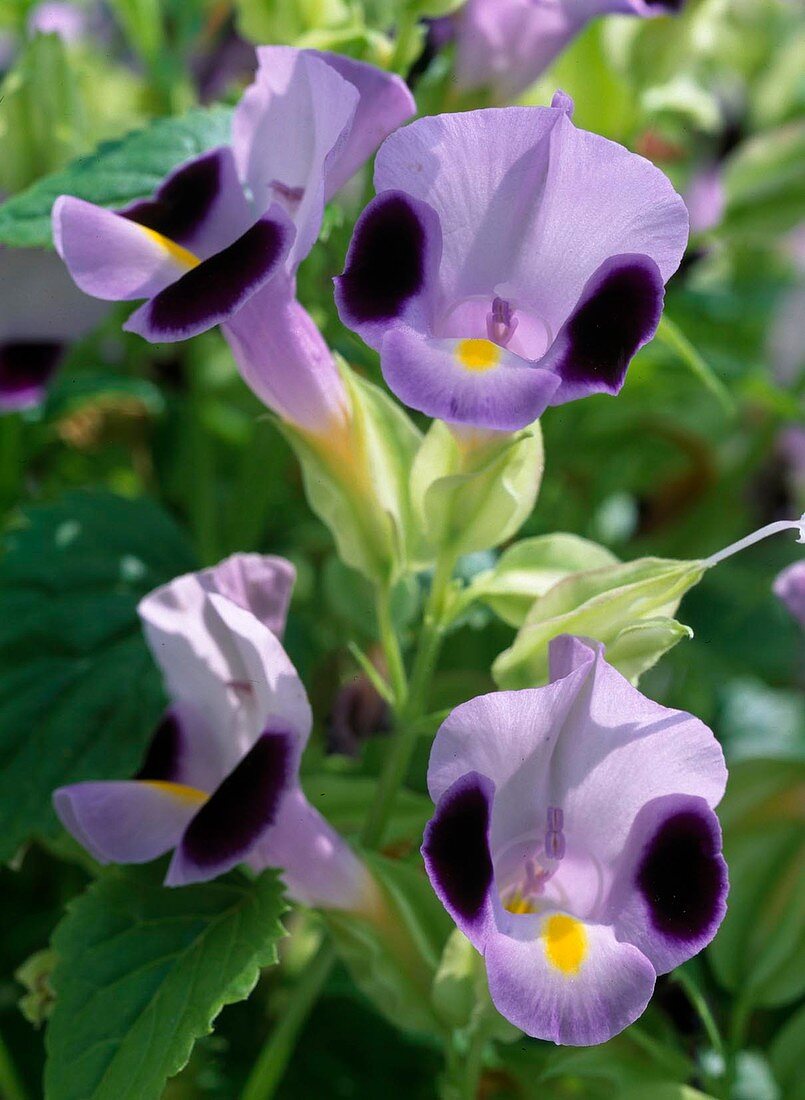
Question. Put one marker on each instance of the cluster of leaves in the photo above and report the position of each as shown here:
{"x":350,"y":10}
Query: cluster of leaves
{"x":172,"y":448}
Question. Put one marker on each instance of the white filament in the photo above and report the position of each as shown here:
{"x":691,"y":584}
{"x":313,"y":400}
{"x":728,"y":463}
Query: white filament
{"x":758,"y":536}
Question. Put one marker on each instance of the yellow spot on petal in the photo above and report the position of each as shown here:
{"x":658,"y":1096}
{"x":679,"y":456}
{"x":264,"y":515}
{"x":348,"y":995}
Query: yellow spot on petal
{"x":182,"y":256}
{"x":478,"y":355}
{"x":565,"y":942}
{"x":177,"y":790}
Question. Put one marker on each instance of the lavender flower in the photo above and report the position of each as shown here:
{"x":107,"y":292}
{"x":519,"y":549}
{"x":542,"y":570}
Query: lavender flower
{"x":574,"y":843}
{"x":509,"y":262}
{"x":220,"y":783}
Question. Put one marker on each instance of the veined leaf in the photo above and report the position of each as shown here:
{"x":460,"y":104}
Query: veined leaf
{"x":79,"y":692}
{"x":117,"y":173}
{"x":144,"y":970}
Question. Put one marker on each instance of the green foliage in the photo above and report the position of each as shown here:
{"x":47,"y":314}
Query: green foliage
{"x":758,"y":950}
{"x":472,"y":491}
{"x":143,"y":971}
{"x":527,"y":569}
{"x":394,"y":957}
{"x":627,"y":607}
{"x":358,"y":485}
{"x":116,"y":174}
{"x":79,"y":693}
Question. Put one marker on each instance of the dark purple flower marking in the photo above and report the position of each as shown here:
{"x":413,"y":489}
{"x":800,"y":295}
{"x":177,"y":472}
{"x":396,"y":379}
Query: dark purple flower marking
{"x":456,"y":849}
{"x":164,"y":752}
{"x":183,"y":202}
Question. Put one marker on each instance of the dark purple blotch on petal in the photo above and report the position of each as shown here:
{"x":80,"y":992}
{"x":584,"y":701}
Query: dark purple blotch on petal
{"x":456,"y":849}
{"x":245,"y":804}
{"x":27,"y":366}
{"x":162,"y":758}
{"x":183,"y":202}
{"x":213,"y":290}
{"x":682,"y":877}
{"x":386,"y":262}
{"x":618,"y":313}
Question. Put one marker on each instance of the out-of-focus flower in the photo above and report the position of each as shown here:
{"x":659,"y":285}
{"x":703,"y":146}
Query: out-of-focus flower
{"x":509,"y":261}
{"x":220,"y":241}
{"x":789,"y":587}
{"x":504,"y":45}
{"x":69,"y":21}
{"x":575,"y":844}
{"x":706,"y":198}
{"x":220,"y":783}
{"x":43,"y":312}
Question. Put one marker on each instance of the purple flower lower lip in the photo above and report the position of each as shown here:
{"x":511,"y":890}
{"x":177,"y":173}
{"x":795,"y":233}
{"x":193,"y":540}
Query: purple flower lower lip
{"x":508,"y":262}
{"x":577,"y":899}
{"x":220,"y":784}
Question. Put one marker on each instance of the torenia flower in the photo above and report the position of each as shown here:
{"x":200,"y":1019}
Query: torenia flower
{"x":504,"y":45}
{"x":574,"y":843}
{"x":220,"y":241}
{"x":509,"y":261}
{"x":220,"y":781}
{"x":42,"y":314}
{"x":789,"y":587}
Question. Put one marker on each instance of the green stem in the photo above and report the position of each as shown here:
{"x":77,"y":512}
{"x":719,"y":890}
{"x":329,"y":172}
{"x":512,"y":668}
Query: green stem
{"x":474,"y":1064}
{"x":674,"y":338}
{"x":738,"y":1027}
{"x":407,"y":718}
{"x":696,"y":998}
{"x":391,"y":647}
{"x":12,"y":466}
{"x":202,"y":470}
{"x":276,"y":1054}
{"x":407,"y":29}
{"x":11,"y":1088}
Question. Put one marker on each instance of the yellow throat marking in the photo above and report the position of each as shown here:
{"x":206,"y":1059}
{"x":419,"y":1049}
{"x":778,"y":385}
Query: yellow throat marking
{"x":177,"y":790}
{"x":182,"y":256}
{"x":477,"y":355}
{"x":565,"y":942}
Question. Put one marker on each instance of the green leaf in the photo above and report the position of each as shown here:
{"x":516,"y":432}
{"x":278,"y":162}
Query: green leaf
{"x":473,"y":491}
{"x":529,"y":568}
{"x":758,"y":947}
{"x":79,"y":693}
{"x":785,"y":1055}
{"x":345,"y":801}
{"x":144,"y":970}
{"x":117,"y":173}
{"x":626,"y":606}
{"x":765,"y":183}
{"x":394,"y":957}
{"x":42,"y":119}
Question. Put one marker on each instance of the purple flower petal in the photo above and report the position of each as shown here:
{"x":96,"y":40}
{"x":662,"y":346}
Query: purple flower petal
{"x":200,"y":205}
{"x":466,"y":381}
{"x":618,"y":312}
{"x":789,"y":586}
{"x":26,"y":368}
{"x":391,"y":263}
{"x":238,"y":813}
{"x":384,"y":103}
{"x":112,"y":257}
{"x":216,"y":288}
{"x":128,"y":821}
{"x":288,"y":127}
{"x":259,"y":583}
{"x":669,"y":896}
{"x":457,"y":857}
{"x":318,"y":867}
{"x":283,"y":358}
{"x":567,"y":980}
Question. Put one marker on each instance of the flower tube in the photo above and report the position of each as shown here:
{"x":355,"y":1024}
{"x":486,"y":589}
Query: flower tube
{"x":505,"y":45}
{"x":575,"y":843}
{"x":220,"y":782}
{"x":509,"y":262}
